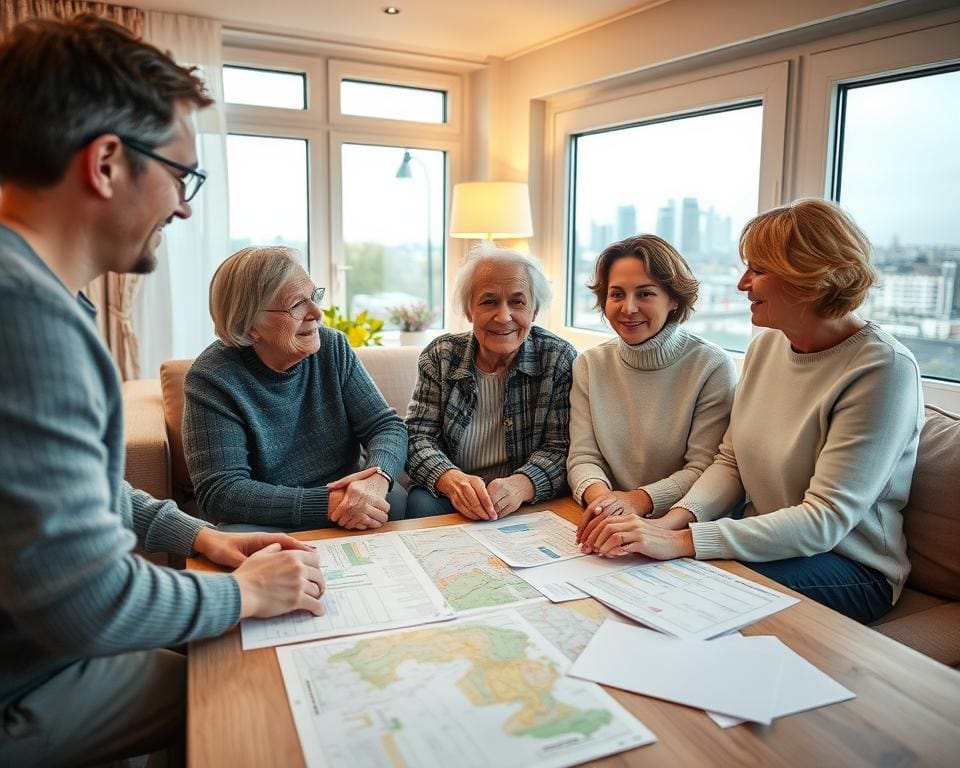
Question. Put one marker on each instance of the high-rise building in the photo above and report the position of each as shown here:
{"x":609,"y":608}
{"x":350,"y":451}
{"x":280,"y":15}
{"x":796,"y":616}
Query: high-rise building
{"x":601,"y":235}
{"x":626,"y":221}
{"x":667,"y":222}
{"x":690,"y":227}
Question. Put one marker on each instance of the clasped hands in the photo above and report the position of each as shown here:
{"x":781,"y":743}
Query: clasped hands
{"x":613,"y":524}
{"x":357,"y":501}
{"x":478,"y":501}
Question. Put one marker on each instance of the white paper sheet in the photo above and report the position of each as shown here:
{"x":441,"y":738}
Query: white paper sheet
{"x":686,"y":598}
{"x":802,"y":685}
{"x":373,"y":583}
{"x":738,"y":680}
{"x":478,"y":692}
{"x":556,"y":580}
{"x":524,"y":541}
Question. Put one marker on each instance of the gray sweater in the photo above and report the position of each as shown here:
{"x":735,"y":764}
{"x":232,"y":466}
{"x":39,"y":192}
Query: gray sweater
{"x":648,"y":416}
{"x":824,"y":445}
{"x":262,"y":445}
{"x":70,"y":586}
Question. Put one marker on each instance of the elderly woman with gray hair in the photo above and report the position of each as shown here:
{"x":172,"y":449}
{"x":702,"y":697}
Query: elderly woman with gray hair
{"x":278,"y":409}
{"x":489,"y":418}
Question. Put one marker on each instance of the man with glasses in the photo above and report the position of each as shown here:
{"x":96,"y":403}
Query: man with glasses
{"x":97,"y":157}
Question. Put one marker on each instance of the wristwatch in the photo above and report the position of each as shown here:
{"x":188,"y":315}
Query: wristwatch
{"x":385,"y":476}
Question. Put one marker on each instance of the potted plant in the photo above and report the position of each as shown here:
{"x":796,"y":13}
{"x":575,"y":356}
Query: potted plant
{"x":361,"y":331}
{"x":413,"y":320}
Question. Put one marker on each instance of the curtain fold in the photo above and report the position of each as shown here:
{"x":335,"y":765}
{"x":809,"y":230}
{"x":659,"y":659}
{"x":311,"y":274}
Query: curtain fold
{"x":171,"y":316}
{"x":113,"y":294}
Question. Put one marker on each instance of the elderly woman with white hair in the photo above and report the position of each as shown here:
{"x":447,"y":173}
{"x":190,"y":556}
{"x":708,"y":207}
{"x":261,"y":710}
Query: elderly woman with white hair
{"x":278,"y":410}
{"x":489,"y":419}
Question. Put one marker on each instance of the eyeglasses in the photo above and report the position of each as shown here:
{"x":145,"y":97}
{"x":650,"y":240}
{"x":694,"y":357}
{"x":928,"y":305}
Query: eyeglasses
{"x":190,"y":182}
{"x":299,"y":310}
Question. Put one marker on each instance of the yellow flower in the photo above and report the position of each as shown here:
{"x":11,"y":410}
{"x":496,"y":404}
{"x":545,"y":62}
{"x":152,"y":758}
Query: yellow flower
{"x":358,"y":336}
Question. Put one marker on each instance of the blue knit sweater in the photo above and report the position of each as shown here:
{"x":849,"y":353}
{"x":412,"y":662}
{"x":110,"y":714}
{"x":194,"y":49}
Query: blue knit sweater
{"x":262,"y":445}
{"x":70,"y":586}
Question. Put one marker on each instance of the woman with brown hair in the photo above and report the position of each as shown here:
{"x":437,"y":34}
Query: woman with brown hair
{"x":649,"y":407}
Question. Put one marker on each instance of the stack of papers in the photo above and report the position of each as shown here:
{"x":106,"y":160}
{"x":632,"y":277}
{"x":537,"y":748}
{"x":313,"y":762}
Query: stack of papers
{"x":734,"y":678}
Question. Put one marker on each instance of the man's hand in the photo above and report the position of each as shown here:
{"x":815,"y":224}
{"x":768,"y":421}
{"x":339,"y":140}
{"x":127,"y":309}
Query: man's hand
{"x":608,"y":503}
{"x":616,"y":536}
{"x":274,"y":581}
{"x":361,"y":504}
{"x":468,"y":494}
{"x":232,"y":549}
{"x":508,"y":493}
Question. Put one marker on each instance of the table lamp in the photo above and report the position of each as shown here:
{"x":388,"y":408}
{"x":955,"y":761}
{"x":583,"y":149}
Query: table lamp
{"x":486,"y":210}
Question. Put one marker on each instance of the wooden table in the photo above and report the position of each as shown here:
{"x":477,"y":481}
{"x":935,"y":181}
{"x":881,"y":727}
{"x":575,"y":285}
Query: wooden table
{"x":907,"y":710}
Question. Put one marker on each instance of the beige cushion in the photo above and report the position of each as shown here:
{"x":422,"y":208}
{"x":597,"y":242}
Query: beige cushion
{"x":934,"y":632}
{"x":394,"y":371}
{"x":172,"y":374}
{"x":932,"y":516}
{"x":148,"y":462}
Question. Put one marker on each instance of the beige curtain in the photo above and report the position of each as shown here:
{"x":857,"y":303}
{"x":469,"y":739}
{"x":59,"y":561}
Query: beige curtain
{"x":113,"y":294}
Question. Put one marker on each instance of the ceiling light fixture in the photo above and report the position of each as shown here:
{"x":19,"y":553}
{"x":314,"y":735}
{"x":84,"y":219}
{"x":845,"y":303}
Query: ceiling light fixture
{"x":391,"y":10}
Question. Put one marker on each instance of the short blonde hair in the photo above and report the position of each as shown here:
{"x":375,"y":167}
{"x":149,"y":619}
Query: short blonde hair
{"x":244,"y":285}
{"x":818,"y":251}
{"x":663,"y":263}
{"x":488,"y":253}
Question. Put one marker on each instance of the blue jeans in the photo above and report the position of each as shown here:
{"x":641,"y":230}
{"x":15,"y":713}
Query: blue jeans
{"x":422,"y":503}
{"x":844,"y":585}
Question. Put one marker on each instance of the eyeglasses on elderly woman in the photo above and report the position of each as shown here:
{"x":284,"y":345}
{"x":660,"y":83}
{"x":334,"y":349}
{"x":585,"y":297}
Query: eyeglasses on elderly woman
{"x":299,"y":310}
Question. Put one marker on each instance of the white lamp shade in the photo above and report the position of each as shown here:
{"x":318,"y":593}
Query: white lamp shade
{"x":491,"y":209}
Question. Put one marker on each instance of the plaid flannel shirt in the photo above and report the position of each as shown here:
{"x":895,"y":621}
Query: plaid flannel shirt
{"x":536,"y":409}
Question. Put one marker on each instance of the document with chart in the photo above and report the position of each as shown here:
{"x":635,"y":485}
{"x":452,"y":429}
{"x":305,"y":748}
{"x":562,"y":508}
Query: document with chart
{"x":477,"y":692}
{"x":373,"y":583}
{"x":523,"y":541}
{"x":686,"y":598}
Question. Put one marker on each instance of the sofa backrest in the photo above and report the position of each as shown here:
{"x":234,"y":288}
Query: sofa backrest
{"x":393,"y":370}
{"x":172,"y":373}
{"x":932,"y":516}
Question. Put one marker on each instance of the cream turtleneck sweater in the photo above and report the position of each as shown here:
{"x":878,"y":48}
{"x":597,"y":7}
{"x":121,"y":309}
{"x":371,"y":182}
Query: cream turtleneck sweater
{"x":648,"y":416}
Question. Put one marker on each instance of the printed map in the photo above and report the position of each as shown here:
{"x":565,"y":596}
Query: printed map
{"x":481,"y":691}
{"x":465,"y":572}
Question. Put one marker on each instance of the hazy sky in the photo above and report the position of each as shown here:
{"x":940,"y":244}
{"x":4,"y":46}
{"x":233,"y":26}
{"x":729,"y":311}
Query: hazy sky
{"x":901,"y":160}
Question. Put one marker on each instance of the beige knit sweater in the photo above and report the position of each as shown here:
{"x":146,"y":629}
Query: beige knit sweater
{"x":824,"y":444}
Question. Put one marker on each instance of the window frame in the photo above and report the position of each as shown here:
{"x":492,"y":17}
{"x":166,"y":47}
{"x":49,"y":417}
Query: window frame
{"x":324,"y":129}
{"x":340,"y":70}
{"x":451,"y":149}
{"x":908,"y":53}
{"x":766,"y":83}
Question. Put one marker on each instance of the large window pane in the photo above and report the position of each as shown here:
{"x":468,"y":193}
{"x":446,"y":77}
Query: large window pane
{"x":691,"y":180}
{"x":264,"y":87}
{"x":268,"y":192}
{"x":393,"y":225}
{"x":392,"y":102}
{"x":897,"y":172}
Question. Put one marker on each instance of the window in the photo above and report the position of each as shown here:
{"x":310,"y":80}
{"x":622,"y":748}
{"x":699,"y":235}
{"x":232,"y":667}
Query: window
{"x":392,"y":102}
{"x":268,"y":192}
{"x":896,"y":169}
{"x":264,"y":87}
{"x":693,"y":180}
{"x":393,"y":228}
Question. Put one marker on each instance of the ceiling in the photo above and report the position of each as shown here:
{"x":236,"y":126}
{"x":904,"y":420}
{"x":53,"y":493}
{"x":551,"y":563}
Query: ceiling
{"x":458,"y":29}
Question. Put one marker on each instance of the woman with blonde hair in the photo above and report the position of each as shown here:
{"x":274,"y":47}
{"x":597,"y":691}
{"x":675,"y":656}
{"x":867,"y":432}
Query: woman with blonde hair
{"x":823,"y":433}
